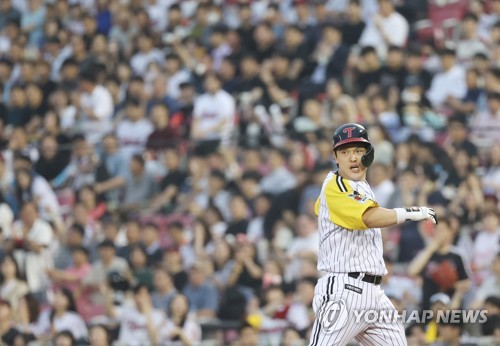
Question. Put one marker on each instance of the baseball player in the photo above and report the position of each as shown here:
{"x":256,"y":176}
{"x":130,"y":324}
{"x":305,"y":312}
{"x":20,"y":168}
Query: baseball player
{"x":350,"y":249}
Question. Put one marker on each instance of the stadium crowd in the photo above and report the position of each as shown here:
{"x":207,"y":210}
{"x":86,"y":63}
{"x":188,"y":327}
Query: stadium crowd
{"x":160,"y":161}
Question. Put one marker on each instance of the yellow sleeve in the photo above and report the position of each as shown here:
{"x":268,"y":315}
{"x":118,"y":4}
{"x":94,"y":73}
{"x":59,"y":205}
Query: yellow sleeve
{"x":346,"y":206}
{"x":316,"y":207}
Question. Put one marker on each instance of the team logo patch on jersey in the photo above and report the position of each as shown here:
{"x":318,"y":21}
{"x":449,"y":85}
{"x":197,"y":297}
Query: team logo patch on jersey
{"x":355,"y":195}
{"x":333,"y":315}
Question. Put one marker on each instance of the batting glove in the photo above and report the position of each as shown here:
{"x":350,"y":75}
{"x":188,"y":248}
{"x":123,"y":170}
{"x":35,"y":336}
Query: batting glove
{"x":416,"y":214}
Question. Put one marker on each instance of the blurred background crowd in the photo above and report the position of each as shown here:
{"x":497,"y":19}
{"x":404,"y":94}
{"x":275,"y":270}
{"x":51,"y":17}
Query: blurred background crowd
{"x":160,"y":160}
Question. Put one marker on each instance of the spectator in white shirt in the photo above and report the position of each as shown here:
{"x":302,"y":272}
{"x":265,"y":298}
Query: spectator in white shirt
{"x":213,"y":116}
{"x":485,"y":131}
{"x":97,"y":107}
{"x":449,"y":83}
{"x":146,"y":55}
{"x":133,"y":131}
{"x":382,"y":186}
{"x":470,"y":44}
{"x":279,"y":179}
{"x":176,"y":75}
{"x":304,"y":246}
{"x":140,"y":323}
{"x":31,"y":237}
{"x":486,"y":246}
{"x":386,"y":29}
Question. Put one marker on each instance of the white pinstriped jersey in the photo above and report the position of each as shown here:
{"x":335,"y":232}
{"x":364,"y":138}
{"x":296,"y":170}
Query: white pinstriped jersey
{"x":346,"y":244}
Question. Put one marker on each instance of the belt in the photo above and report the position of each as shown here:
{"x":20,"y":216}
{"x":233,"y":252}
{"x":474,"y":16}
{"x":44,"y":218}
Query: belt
{"x":372,"y":279}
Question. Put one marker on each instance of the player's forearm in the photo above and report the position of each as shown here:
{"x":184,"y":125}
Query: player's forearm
{"x":379,"y":217}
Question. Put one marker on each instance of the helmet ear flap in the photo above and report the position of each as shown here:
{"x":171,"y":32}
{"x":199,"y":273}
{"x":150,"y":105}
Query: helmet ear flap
{"x":367,"y":159}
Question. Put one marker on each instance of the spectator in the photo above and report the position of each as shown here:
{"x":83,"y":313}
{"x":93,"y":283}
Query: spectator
{"x":164,"y":135}
{"x":139,"y":323}
{"x":133,"y":131}
{"x":180,"y":325}
{"x":448,"y":84}
{"x":13,"y":288}
{"x":279,"y":179}
{"x":213,"y":116}
{"x":146,"y":55}
{"x":489,"y":287}
{"x":387,"y":28}
{"x":140,"y":186}
{"x":142,"y":274}
{"x":63,"y":316}
{"x":483,"y":124}
{"x":486,"y":246}
{"x":32,"y":22}
{"x":202,"y":295}
{"x":369,"y":70}
{"x":52,"y":161}
{"x":303,"y":247}
{"x":8,"y":13}
{"x":64,"y":338}
{"x":8,"y":332}
{"x":439,"y":254}
{"x":96,"y":108}
{"x":353,"y":27}
{"x":150,"y":240}
{"x":164,"y":290}
{"x":72,"y":278}
{"x":382,"y":186}
{"x":99,"y":335}
{"x":31,"y":237}
{"x":470,"y":44}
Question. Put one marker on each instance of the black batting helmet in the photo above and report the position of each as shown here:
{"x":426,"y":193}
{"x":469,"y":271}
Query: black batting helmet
{"x":354,"y":133}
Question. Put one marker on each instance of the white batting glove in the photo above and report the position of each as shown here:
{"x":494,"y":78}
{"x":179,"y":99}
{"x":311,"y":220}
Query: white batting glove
{"x":416,"y":214}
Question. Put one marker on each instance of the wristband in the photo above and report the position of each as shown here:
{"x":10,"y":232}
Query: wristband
{"x":401,"y":215}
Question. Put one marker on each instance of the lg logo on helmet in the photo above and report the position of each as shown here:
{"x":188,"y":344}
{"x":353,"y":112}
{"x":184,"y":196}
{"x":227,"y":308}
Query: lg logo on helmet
{"x":349,"y":130}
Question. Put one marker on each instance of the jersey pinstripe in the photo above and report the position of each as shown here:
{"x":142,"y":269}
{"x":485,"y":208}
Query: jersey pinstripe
{"x":345,"y":243}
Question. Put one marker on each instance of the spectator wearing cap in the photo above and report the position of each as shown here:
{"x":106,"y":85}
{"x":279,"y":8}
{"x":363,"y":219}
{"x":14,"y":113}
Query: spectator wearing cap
{"x":133,"y":130}
{"x":141,"y":322}
{"x":213,"y":116}
{"x":484,"y":125}
{"x":147,"y":54}
{"x":96,"y":107}
{"x":387,"y":28}
{"x":449,"y":83}
{"x":201,"y":293}
{"x":353,"y":26}
{"x":439,"y":259}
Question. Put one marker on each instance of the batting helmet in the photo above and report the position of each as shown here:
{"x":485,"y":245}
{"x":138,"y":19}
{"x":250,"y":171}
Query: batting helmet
{"x":354,"y":133}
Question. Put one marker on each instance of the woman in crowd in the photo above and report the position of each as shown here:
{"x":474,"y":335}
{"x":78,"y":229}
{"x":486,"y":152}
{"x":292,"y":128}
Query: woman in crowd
{"x":181,"y":327}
